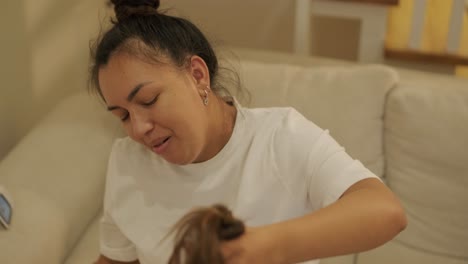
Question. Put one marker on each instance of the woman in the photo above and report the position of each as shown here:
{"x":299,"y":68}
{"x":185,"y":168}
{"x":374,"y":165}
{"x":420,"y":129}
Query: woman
{"x":300,"y":195}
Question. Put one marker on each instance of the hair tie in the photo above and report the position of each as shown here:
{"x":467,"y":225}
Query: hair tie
{"x":136,"y":3}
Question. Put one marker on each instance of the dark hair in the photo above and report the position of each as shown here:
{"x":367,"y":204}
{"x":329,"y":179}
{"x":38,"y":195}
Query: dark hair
{"x":199,"y":235}
{"x":140,"y":30}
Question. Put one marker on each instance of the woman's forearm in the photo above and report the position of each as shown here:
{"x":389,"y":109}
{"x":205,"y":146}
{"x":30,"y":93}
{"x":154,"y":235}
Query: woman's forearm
{"x":366,"y":216}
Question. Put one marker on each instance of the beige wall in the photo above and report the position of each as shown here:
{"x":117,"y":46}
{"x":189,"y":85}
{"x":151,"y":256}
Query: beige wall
{"x":44,"y":51}
{"x":263,"y":24}
{"x":267,"y":24}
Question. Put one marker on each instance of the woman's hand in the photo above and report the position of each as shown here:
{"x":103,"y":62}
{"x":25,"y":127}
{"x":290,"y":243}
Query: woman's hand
{"x":256,"y":245}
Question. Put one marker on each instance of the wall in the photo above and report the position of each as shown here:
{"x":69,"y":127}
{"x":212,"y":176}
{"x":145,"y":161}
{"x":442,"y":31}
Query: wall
{"x":44,"y":55}
{"x":263,"y":24}
{"x":266,"y":24}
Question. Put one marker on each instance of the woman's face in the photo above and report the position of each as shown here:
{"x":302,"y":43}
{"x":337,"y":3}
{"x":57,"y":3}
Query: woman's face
{"x":159,"y":105}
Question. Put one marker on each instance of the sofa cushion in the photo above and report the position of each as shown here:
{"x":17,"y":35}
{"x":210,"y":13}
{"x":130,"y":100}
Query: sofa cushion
{"x":37,"y":233}
{"x":347,"y":100}
{"x":395,"y":252}
{"x":426,"y":142}
{"x":56,"y":177}
{"x":87,"y":248}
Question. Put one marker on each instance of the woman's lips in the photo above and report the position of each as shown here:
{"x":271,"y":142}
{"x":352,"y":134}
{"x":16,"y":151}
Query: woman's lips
{"x":159,"y":149}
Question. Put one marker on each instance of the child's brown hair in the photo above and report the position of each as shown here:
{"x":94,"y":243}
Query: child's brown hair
{"x":198,"y":235}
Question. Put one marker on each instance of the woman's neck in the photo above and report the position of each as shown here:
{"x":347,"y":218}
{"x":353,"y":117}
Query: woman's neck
{"x":223,"y":118}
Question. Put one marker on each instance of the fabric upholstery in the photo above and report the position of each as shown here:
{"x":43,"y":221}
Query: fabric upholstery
{"x":56,"y":177}
{"x":38,"y":231}
{"x":426,"y":142}
{"x":87,"y":248}
{"x":397,"y":253}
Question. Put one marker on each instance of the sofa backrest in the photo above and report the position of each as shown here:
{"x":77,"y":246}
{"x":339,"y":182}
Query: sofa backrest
{"x":426,"y":145}
{"x":347,"y":100}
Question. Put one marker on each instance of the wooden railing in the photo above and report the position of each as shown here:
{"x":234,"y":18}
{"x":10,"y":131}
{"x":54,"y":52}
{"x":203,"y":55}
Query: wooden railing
{"x":379,"y":2}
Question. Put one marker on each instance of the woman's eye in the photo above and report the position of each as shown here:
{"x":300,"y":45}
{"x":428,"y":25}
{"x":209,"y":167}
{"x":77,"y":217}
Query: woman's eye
{"x":151,"y":102}
{"x":124,"y":117}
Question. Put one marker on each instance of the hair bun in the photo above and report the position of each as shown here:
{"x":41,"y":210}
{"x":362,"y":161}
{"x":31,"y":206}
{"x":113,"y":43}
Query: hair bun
{"x":128,"y":8}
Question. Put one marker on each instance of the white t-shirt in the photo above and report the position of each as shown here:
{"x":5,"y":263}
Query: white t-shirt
{"x":277,"y":165}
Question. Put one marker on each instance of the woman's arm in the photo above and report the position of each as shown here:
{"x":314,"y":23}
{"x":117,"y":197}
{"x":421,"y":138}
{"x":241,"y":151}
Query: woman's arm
{"x":104,"y":260}
{"x":366,"y":216}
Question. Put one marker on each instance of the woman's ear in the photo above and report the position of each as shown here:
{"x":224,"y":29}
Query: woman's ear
{"x":199,"y":71}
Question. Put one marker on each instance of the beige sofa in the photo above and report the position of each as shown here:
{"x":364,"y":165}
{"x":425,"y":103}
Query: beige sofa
{"x":410,"y":128}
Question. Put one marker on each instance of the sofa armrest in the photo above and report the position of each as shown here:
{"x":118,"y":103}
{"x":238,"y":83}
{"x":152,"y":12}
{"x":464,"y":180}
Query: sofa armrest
{"x":56,"y":177}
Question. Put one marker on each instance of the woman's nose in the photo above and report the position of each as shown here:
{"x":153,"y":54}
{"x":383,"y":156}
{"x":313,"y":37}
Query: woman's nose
{"x":141,"y":126}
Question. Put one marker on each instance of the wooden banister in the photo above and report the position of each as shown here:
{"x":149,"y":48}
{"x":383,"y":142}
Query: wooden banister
{"x":413,"y":55}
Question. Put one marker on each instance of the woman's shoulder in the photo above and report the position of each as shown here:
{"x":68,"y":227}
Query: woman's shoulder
{"x":128,"y":161}
{"x":126,"y":144}
{"x":279,"y":119}
{"x":126,"y":150}
{"x":270,"y":113}
{"x":285,"y":128}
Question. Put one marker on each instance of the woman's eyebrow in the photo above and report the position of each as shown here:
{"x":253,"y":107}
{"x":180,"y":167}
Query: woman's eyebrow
{"x":131,"y":95}
{"x":135,"y":90}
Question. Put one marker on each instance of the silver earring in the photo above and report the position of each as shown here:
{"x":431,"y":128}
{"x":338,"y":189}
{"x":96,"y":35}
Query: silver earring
{"x":205,"y":100}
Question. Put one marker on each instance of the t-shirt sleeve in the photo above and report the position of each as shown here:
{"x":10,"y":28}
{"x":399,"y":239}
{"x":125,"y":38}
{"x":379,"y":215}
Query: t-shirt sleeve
{"x":113,"y":242}
{"x":315,"y":167}
{"x":331,"y":171}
